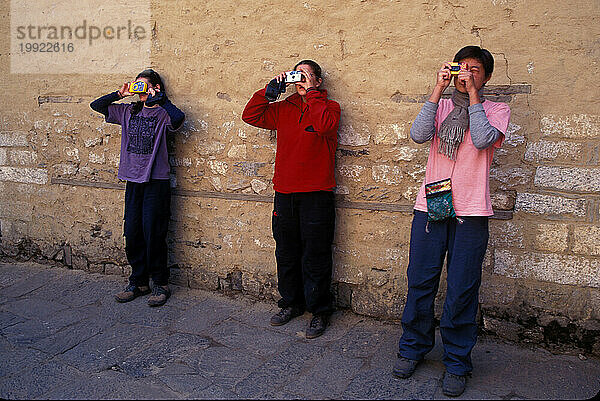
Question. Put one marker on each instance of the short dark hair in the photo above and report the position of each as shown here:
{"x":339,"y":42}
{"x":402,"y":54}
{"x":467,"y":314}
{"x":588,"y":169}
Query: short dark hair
{"x":315,"y":67}
{"x":476,"y":52}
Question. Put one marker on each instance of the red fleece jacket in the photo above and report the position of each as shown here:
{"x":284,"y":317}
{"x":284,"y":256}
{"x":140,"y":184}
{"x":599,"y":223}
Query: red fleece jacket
{"x":306,"y":139}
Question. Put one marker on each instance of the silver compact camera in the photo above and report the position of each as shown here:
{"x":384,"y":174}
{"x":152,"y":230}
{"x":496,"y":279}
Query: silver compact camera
{"x":294,"y":76}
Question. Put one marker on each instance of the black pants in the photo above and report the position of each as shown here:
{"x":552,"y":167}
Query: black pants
{"x":147,"y":213}
{"x":303,"y":227}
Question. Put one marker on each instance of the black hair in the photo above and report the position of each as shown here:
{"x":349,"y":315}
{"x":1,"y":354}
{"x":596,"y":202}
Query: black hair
{"x":476,"y":52}
{"x":152,"y":77}
{"x":315,"y":67}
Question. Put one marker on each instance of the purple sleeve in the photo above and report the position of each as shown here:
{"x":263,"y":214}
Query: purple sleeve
{"x":116,"y":113}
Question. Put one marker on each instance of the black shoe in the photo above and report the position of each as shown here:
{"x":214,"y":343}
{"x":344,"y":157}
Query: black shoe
{"x":404,"y":367}
{"x":285,"y":315}
{"x":453,"y":385}
{"x":131,"y":292}
{"x":317,"y":326}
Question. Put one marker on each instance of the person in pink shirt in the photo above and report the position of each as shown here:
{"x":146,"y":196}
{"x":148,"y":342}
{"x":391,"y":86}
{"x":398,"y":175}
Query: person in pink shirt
{"x":463,"y":132}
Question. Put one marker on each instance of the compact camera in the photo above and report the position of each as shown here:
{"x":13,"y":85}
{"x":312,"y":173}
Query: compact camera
{"x":454,"y":68}
{"x":294,"y":76}
{"x":138,"y":87}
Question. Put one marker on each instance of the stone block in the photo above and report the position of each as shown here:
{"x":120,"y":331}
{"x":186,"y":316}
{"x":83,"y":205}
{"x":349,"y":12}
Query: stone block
{"x":510,"y":331}
{"x":23,"y":157}
{"x":551,"y":237}
{"x":96,"y":158}
{"x":550,"y":267}
{"x":258,"y":186}
{"x":3,"y":157}
{"x":576,"y":126}
{"x":24,"y":175}
{"x":218,"y":167}
{"x":404,"y":153}
{"x":503,"y":200}
{"x":206,"y":148}
{"x":568,"y":178}
{"x":389,"y":134}
{"x":510,"y":177}
{"x":237,"y":152}
{"x":586,"y":240}
{"x":507,"y":234}
{"x":556,"y":151}
{"x":79,"y":262}
{"x":351,"y":171}
{"x":390,"y":175}
{"x":552,"y":205}
{"x":112,"y":269}
{"x":13,"y":139}
{"x":348,"y":135}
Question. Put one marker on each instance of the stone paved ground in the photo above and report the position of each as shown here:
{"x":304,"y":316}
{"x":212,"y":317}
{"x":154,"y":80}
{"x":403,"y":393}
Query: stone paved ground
{"x":62,"y":336}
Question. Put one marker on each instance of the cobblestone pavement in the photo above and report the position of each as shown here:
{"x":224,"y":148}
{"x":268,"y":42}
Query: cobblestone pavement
{"x":62,"y":336}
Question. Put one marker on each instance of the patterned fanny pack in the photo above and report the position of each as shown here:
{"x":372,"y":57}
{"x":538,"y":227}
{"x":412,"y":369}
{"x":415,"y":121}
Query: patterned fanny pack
{"x":439,"y":200}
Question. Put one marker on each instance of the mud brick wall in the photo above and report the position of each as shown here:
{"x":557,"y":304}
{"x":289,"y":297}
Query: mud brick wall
{"x":60,"y":198}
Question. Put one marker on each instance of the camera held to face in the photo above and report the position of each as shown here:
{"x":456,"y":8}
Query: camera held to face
{"x":138,"y":87}
{"x":454,"y":68}
{"x":294,"y":76}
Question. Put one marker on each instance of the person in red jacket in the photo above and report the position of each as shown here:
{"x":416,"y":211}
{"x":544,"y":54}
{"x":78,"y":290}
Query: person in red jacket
{"x":303,"y":219}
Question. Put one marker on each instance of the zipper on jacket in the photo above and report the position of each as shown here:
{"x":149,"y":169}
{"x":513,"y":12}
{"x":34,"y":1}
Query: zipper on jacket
{"x":302,"y":113}
{"x":300,"y":107}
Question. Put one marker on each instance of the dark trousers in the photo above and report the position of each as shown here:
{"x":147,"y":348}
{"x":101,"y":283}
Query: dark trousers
{"x":147,"y":212}
{"x":465,"y":245}
{"x":303,"y":227}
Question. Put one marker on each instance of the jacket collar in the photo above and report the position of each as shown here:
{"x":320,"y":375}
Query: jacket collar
{"x":296,"y":99}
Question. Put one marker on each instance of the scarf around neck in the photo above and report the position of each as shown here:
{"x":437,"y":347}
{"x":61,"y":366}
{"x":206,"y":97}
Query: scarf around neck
{"x":453,"y":128}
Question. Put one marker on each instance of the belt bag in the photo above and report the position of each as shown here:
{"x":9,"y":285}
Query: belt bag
{"x":439,"y":200}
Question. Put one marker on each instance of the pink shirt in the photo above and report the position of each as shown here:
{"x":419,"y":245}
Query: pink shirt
{"x":470,"y":179}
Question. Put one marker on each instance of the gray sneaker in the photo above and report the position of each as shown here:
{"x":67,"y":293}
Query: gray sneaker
{"x":159,"y":296}
{"x":285,"y":315}
{"x":404,"y":367}
{"x":453,"y":385}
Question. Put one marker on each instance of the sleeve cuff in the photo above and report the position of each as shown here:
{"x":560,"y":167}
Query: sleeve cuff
{"x":476,"y":107}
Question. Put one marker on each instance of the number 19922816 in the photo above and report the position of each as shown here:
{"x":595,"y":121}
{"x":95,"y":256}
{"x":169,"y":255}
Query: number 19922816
{"x":46,"y":47}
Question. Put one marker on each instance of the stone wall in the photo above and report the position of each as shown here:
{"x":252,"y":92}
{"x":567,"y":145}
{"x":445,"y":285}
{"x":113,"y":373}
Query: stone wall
{"x":60,"y":198}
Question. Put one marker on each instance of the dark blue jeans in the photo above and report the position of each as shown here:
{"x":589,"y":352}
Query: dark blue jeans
{"x":147,"y":213}
{"x":464,"y":245}
{"x":303,"y":227}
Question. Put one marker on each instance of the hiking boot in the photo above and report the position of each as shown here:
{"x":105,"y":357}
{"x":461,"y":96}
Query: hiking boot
{"x":284,"y":316}
{"x":159,"y":296}
{"x":317,"y":326}
{"x":404,"y":367}
{"x":132,"y":292}
{"x":453,"y":385}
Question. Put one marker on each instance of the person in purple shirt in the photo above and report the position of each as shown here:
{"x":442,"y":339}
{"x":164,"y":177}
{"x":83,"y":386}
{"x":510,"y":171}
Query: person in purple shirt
{"x":144,"y":165}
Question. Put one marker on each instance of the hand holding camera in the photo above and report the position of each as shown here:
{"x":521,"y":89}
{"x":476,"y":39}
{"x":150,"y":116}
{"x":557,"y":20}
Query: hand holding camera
{"x":278,"y":84}
{"x":155,"y":96}
{"x":310,"y":79}
{"x":465,"y":77}
{"x":124,"y":91}
{"x":444,"y":75}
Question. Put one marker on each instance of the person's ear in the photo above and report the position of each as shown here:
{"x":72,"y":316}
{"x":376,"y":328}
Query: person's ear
{"x":319,"y":82}
{"x":487,"y":79}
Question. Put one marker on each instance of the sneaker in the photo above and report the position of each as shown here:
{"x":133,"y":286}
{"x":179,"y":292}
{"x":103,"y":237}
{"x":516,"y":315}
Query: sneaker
{"x":284,"y":316}
{"x":404,"y":367}
{"x":131,"y":292}
{"x":159,"y":296}
{"x":453,"y":385}
{"x":317,"y":326}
